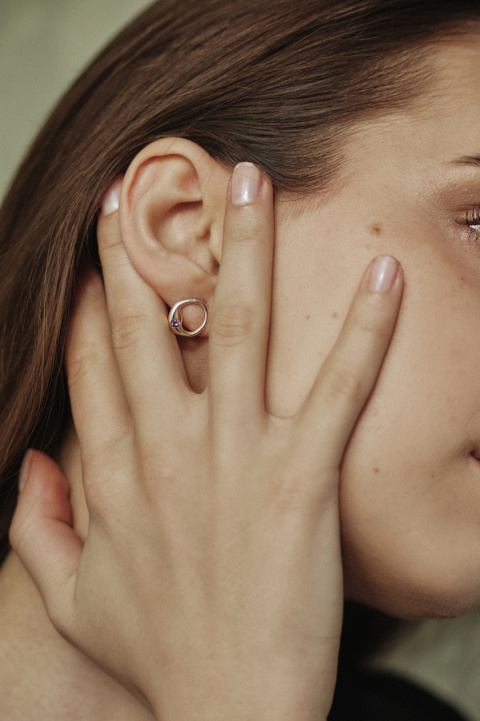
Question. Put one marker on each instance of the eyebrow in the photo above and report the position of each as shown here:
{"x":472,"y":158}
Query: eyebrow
{"x":467,"y":160}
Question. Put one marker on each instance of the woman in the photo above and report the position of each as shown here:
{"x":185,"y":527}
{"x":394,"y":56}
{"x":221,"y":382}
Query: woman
{"x":194,"y":588}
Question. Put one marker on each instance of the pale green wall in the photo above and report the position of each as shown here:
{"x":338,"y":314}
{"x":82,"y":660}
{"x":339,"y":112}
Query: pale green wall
{"x":43,"y":46}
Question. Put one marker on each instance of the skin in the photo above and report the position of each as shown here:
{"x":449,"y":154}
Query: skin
{"x":409,"y":483}
{"x":233,"y":577}
{"x":410,"y":493}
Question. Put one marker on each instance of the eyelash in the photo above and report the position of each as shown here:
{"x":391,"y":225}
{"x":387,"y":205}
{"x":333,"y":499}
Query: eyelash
{"x":472,"y":218}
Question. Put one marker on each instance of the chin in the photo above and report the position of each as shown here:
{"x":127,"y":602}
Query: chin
{"x":415,"y":605}
{"x":435,"y":594}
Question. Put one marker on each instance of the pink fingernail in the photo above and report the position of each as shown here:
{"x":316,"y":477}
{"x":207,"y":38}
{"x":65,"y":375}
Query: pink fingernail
{"x":22,"y":480}
{"x":382,"y":274}
{"x":111,"y":199}
{"x":245,"y":183}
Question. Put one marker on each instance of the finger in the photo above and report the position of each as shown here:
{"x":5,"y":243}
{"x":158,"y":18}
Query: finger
{"x":42,"y":535}
{"x":147,"y":353}
{"x":241,"y":313}
{"x":348,"y":375}
{"x":99,"y":406}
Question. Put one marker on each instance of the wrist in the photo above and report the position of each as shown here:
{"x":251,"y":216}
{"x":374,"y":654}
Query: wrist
{"x":237,"y":705}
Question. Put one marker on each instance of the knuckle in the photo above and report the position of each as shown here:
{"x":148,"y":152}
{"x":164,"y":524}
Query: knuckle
{"x":97,"y":498}
{"x":103,"y":477}
{"x":59,"y":618}
{"x":306,"y":492}
{"x":246,"y":227}
{"x":231,"y":324}
{"x":81,"y":366}
{"x":371,"y":321}
{"x":104,"y":495}
{"x":110,"y":242}
{"x":17,"y":533}
{"x":245,"y":236}
{"x":369,"y":325}
{"x":343,"y":382}
{"x":129,"y":330}
{"x":294,"y":493}
{"x":104,"y":453}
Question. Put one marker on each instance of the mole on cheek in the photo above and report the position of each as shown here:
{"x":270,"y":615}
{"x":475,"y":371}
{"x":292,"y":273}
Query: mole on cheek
{"x":376,"y":228}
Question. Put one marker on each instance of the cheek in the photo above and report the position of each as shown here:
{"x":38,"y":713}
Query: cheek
{"x":410,"y":494}
{"x":410,"y":490}
{"x":315,"y":279}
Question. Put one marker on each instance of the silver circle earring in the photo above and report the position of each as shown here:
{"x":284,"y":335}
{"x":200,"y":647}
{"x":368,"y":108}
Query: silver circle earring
{"x":175,"y":318}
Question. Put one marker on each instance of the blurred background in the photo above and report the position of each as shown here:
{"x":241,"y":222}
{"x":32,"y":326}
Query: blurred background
{"x":44,"y":44}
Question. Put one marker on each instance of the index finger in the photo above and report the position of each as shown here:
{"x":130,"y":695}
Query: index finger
{"x":145,"y":350}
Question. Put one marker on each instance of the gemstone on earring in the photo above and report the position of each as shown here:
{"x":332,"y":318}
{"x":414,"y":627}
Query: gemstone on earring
{"x":175,"y":324}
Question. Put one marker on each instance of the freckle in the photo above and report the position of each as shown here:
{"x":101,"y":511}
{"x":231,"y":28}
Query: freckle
{"x":334,"y":315}
{"x":376,"y":470}
{"x":377,"y":229}
{"x":307,"y":317}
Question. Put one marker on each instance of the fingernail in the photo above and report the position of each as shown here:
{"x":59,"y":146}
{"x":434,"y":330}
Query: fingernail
{"x":245,"y":183}
{"x":111,"y":199}
{"x":382,"y":274}
{"x":23,"y":477}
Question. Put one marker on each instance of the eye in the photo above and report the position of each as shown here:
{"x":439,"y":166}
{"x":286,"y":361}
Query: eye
{"x":473,"y":221}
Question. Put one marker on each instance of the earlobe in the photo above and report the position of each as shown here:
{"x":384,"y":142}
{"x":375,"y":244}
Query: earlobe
{"x":171,"y":218}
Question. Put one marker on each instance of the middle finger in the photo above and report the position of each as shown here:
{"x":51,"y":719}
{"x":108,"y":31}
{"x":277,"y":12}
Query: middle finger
{"x":241,"y":314}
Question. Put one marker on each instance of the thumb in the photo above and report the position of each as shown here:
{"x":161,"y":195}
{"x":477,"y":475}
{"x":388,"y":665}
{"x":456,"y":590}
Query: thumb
{"x":42,"y":535}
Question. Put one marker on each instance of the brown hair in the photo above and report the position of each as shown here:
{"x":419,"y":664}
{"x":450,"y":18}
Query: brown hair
{"x":278,"y":83}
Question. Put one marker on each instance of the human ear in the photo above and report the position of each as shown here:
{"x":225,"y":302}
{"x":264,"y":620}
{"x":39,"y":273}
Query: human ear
{"x":171,"y":220}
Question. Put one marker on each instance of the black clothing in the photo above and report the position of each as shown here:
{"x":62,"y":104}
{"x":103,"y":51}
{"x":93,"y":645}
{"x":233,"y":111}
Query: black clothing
{"x":365,"y":696}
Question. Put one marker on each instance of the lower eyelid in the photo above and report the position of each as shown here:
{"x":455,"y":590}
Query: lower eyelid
{"x":471,"y":227}
{"x":473,"y":233}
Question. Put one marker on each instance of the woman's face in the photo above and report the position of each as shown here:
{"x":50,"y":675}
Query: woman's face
{"x":410,"y":487}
